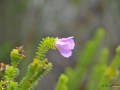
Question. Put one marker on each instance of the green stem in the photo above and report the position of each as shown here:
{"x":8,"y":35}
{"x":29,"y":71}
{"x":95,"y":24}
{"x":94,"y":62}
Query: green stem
{"x":86,"y":59}
{"x":98,"y":71}
{"x":47,"y":43}
{"x":62,"y":83}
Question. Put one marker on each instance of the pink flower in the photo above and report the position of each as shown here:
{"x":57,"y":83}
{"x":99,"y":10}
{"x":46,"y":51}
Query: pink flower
{"x":65,"y":46}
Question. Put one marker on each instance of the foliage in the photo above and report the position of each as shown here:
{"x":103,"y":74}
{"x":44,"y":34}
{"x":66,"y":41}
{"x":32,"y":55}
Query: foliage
{"x":62,"y":83}
{"x":38,"y":68}
{"x":91,"y":73}
{"x":101,"y":75}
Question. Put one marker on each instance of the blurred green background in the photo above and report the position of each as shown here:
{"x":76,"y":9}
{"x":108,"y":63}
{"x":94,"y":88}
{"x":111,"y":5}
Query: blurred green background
{"x":25,"y":22}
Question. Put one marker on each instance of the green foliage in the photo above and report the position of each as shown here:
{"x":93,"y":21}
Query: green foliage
{"x":86,"y":58}
{"x":112,"y":72}
{"x":62,"y":83}
{"x":45,"y":44}
{"x":12,"y":85}
{"x":37,"y":69}
{"x":115,"y":64}
{"x":15,"y":57}
{"x":11,"y":72}
{"x":98,"y":71}
{"x":100,"y":76}
{"x":40,"y":66}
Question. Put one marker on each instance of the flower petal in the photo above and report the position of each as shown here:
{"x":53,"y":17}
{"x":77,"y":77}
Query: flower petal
{"x":67,"y":55}
{"x":69,"y":41}
{"x":65,"y":46}
{"x":65,"y":52}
